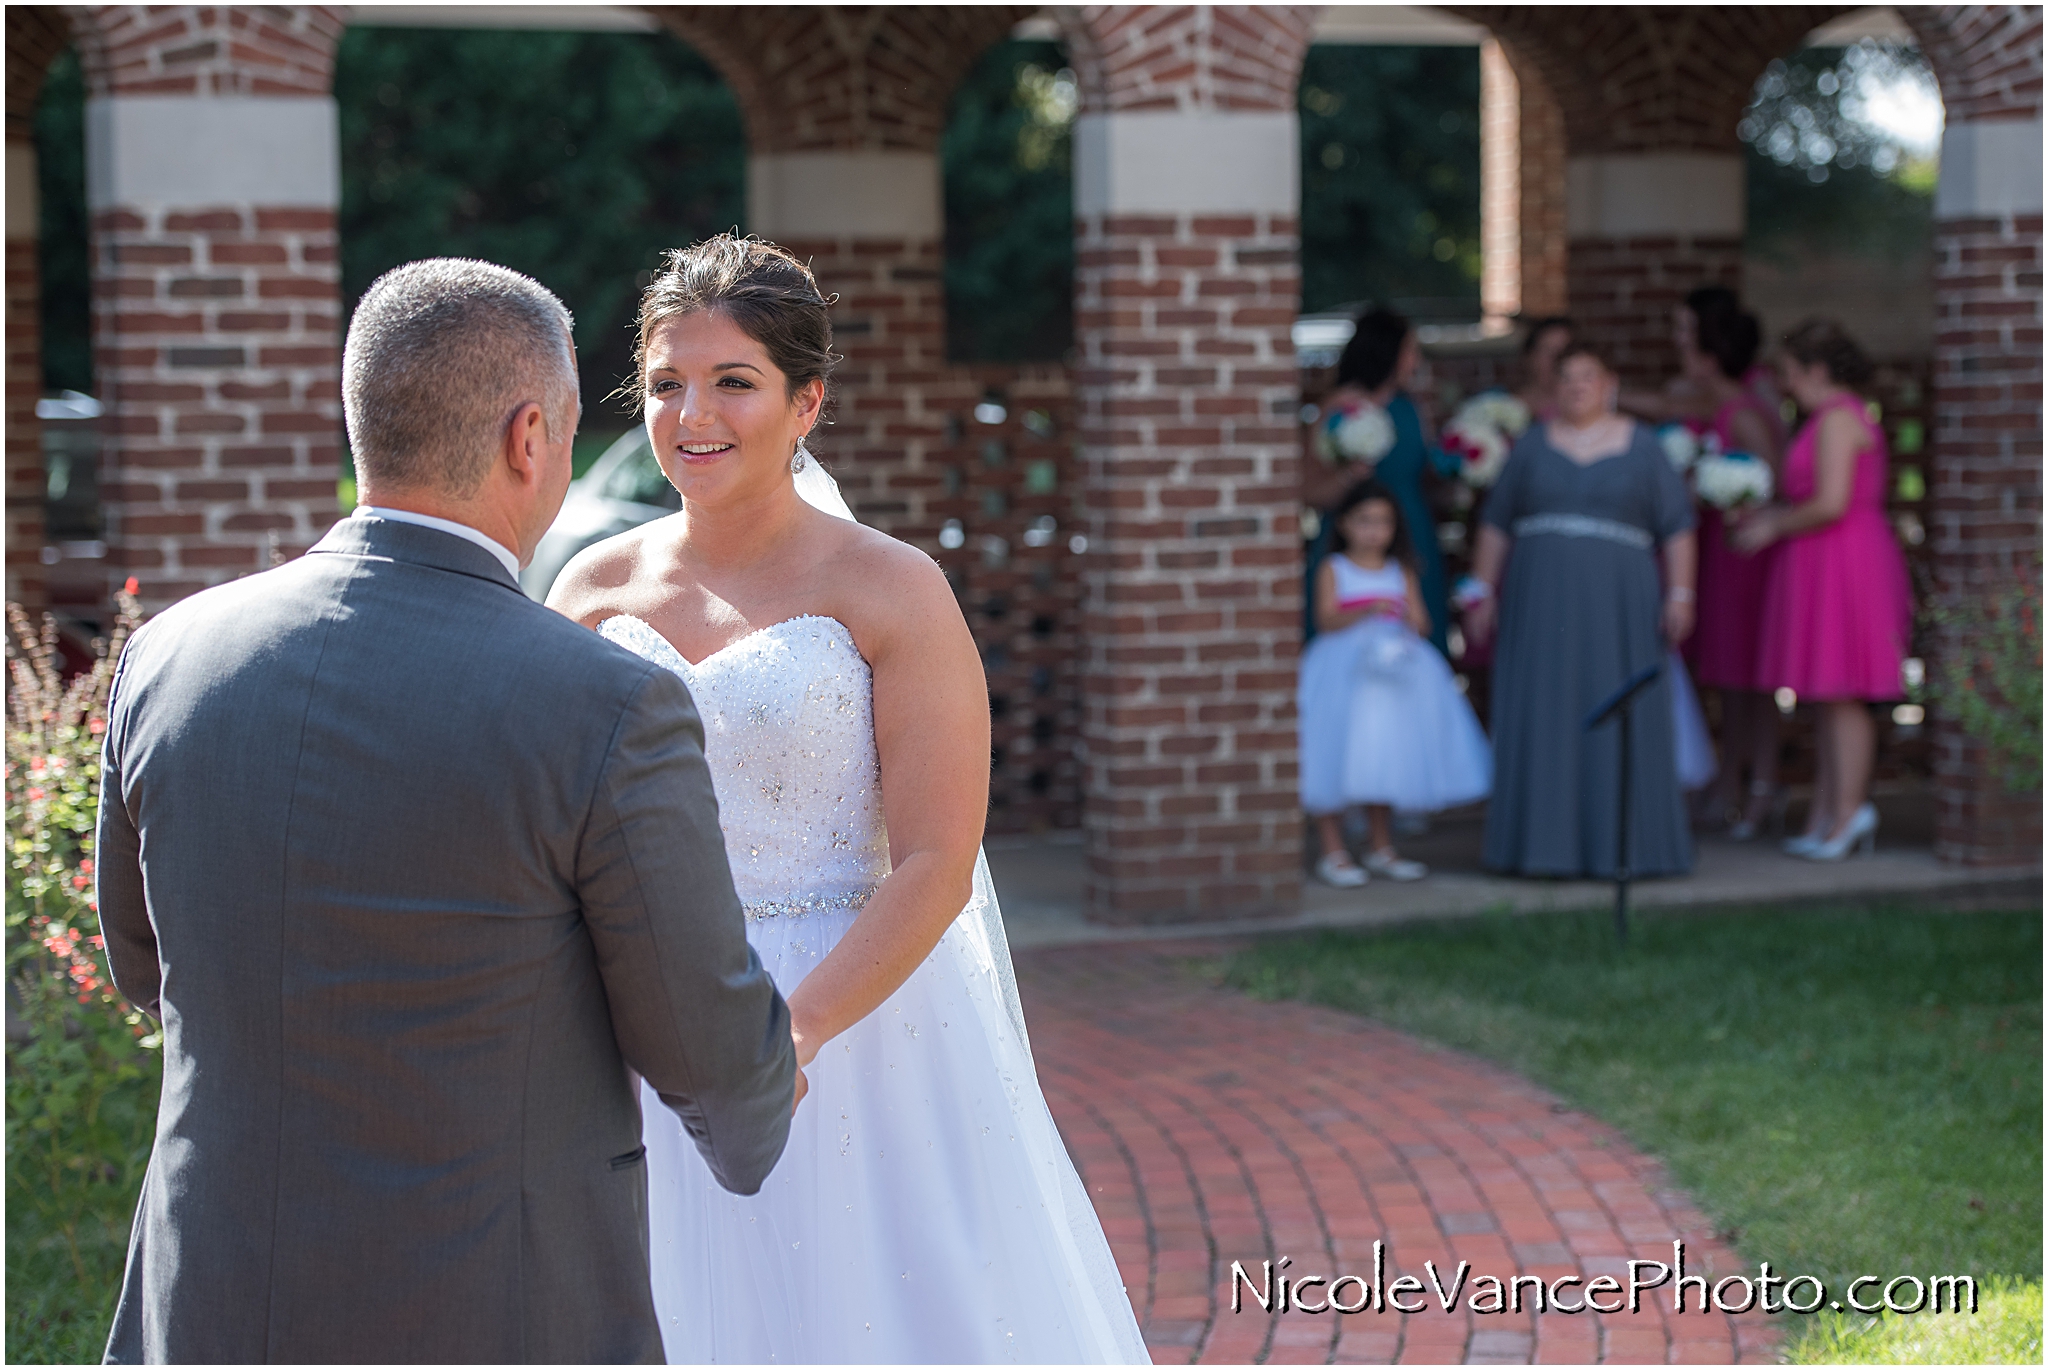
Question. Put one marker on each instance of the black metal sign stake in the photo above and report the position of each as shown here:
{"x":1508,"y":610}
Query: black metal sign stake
{"x":1622,"y":702}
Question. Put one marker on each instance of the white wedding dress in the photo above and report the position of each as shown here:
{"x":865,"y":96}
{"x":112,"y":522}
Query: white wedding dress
{"x":925,"y":1209}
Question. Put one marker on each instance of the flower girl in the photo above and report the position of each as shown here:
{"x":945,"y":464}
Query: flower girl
{"x":1382,"y":722}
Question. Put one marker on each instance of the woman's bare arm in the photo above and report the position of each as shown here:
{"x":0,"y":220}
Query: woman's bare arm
{"x":1681,"y":568}
{"x":932,"y":734}
{"x":1834,"y":478}
{"x":1489,"y":557}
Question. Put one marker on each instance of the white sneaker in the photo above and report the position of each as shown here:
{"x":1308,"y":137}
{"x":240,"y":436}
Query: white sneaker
{"x":1337,"y":869}
{"x":1394,"y":867}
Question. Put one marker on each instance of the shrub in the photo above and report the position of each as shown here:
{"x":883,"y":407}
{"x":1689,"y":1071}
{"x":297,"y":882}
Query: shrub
{"x":1990,"y":680}
{"x":77,"y":1125}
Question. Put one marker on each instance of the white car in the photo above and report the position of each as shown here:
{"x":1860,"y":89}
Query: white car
{"x":623,"y":489}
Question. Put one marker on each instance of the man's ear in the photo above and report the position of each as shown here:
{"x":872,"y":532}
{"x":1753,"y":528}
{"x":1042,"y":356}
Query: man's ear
{"x":526,"y":443}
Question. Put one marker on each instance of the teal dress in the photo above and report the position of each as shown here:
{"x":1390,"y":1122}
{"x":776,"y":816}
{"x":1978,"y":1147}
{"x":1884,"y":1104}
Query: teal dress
{"x":1400,"y":470}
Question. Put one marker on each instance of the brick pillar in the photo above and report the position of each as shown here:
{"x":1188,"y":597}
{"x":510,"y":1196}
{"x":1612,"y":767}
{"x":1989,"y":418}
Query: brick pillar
{"x":1647,"y":227}
{"x":213,"y":178}
{"x":1986,"y":442}
{"x":1539,"y":188}
{"x":25,"y":480}
{"x":1187,"y":283}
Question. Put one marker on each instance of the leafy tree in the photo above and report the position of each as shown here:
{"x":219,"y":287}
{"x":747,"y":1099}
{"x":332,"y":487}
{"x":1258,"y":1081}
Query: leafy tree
{"x":63,"y":247}
{"x":574,"y":157}
{"x":1007,"y":156}
{"x":1829,"y":172}
{"x":1390,"y":178}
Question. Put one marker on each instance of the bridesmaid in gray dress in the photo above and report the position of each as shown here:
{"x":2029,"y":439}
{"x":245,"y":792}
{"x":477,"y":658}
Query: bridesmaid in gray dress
{"x":1587,"y":501}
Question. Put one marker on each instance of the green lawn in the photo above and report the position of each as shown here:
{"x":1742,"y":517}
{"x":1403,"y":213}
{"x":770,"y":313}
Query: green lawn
{"x":1846,"y":1091}
{"x":67,"y":1238}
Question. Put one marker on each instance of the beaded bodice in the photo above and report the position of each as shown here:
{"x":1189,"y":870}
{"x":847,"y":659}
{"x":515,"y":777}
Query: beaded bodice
{"x":789,"y":734}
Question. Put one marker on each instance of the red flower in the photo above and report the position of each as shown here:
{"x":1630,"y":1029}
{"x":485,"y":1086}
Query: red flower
{"x":96,"y":727}
{"x":35,"y":793}
{"x":98,"y":941}
{"x":79,"y":882}
{"x":86,"y":866}
{"x":133,"y":586}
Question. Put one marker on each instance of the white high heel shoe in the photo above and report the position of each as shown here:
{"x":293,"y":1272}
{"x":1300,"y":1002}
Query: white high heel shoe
{"x":1802,"y":845}
{"x":1859,"y":832}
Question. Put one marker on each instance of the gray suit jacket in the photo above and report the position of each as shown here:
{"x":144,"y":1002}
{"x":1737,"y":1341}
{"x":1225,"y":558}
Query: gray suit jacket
{"x":414,"y":870}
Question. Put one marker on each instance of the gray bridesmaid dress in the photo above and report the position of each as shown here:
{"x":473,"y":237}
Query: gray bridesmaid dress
{"x":1580,"y":610}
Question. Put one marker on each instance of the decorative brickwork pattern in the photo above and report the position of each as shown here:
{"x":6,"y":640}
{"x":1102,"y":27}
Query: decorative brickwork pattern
{"x":811,"y":77}
{"x":911,"y":457}
{"x":1188,"y":57}
{"x":1649,"y":78}
{"x":219,"y":358}
{"x":1190,"y":443}
{"x":212,"y":49}
{"x":1987,"y":58}
{"x":1623,"y":292}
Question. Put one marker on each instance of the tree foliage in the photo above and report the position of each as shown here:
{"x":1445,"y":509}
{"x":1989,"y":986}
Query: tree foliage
{"x":1390,"y":178}
{"x":1007,"y":156}
{"x":574,"y":157}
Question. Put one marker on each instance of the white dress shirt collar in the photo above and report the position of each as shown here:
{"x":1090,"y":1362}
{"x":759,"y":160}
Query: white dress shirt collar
{"x":505,"y":555}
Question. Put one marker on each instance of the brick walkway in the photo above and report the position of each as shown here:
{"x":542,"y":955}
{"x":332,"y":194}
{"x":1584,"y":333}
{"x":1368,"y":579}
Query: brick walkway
{"x":1212,"y":1128}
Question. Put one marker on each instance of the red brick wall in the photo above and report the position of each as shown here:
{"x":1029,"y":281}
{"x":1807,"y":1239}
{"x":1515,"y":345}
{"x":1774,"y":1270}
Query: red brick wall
{"x":1987,"y":58}
{"x":1543,"y":251}
{"x":218,"y":339}
{"x":212,"y":49}
{"x":1188,"y":395}
{"x":1623,"y":292}
{"x":1132,"y":57}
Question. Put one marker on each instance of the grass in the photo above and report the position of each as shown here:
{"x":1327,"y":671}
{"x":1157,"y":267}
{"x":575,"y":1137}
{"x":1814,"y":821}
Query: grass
{"x":67,"y":1243}
{"x":1845,"y":1091}
{"x":2006,"y":1331}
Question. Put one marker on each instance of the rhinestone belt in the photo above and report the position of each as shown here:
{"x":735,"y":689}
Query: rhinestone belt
{"x":1584,"y":526}
{"x":760,"y":910}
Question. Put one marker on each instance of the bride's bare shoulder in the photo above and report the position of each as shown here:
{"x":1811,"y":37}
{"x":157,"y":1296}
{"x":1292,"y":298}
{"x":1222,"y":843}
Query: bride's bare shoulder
{"x":892,"y":594}
{"x":599,"y":580}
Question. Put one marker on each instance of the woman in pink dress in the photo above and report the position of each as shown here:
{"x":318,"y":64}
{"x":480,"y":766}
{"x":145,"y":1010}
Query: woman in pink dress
{"x":1838,"y":608}
{"x":1724,"y":645}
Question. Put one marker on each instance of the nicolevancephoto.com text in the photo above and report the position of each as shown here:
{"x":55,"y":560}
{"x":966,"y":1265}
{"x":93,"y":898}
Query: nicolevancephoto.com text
{"x":1271,"y":1290}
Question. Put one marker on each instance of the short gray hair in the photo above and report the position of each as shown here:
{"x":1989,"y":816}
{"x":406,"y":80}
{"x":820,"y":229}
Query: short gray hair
{"x":441,"y":353}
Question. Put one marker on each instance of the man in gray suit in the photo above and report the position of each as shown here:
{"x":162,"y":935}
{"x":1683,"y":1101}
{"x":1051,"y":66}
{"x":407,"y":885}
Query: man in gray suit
{"x":417,"y":874}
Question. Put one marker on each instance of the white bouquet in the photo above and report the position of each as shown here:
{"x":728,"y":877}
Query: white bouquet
{"x":1355,"y":433}
{"x":1682,"y":447}
{"x":1729,"y":480}
{"x":1481,"y":434}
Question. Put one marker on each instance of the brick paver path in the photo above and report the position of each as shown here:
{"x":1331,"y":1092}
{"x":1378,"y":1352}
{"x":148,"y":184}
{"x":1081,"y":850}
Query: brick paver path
{"x":1212,"y":1128}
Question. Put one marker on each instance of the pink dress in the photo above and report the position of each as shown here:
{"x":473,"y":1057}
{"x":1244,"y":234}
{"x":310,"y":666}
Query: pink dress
{"x":1723,"y":649}
{"x":1838,"y":610}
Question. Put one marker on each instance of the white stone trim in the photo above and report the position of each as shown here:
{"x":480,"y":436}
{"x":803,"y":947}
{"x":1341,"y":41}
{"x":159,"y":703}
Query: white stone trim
{"x":144,"y":151}
{"x":1174,"y":162}
{"x":1989,"y":167}
{"x":23,"y":209}
{"x":1396,"y":25}
{"x":574,"y":18}
{"x":855,"y":194}
{"x":1621,"y":195}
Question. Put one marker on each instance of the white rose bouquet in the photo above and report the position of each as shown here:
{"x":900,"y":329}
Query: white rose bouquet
{"x":1730,"y":480}
{"x":1682,"y":447}
{"x":1481,"y":434}
{"x":1356,"y":433}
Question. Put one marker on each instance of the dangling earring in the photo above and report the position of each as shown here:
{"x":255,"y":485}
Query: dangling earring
{"x":801,"y":459}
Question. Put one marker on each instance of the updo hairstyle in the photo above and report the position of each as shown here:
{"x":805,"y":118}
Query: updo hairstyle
{"x":771,"y":296}
{"x":1823,"y":342}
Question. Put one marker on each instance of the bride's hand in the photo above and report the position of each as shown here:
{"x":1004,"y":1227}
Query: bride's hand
{"x":803,"y":1087}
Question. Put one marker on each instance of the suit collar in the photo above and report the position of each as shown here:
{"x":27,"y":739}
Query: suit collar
{"x":390,"y":540}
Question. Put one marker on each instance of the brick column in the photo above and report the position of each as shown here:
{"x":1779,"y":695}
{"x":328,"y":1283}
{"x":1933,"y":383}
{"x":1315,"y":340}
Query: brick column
{"x":25,"y":479}
{"x":1986,"y":442}
{"x":1647,"y":227}
{"x":1187,"y":283}
{"x":213,"y":178}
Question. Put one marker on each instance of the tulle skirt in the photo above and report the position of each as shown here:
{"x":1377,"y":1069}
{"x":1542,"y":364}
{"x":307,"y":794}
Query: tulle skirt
{"x":1382,"y":722}
{"x":925,"y":1209}
{"x":1696,"y":762}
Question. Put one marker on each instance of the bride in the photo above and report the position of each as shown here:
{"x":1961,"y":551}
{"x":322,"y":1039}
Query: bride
{"x":925,"y":1209}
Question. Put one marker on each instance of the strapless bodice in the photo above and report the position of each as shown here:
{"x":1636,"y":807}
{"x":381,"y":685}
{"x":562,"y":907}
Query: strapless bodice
{"x":789,"y":735}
